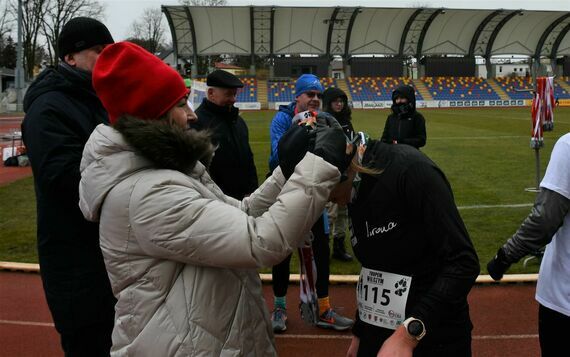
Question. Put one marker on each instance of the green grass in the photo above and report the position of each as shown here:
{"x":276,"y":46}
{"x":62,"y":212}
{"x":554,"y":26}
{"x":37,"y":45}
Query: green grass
{"x":484,"y":153}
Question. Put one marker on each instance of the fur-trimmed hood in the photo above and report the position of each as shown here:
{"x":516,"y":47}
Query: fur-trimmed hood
{"x":114,"y":153}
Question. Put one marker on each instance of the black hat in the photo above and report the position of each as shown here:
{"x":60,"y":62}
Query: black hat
{"x":81,"y":33}
{"x":223,"y":79}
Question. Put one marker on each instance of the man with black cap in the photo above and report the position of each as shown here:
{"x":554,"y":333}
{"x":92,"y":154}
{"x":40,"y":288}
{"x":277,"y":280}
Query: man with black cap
{"x":62,"y":110}
{"x":232,"y":167}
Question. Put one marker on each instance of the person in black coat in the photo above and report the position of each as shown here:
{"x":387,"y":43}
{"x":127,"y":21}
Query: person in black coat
{"x":232,"y":167}
{"x":405,"y":125}
{"x":418,"y":262}
{"x":61,"y":112}
{"x":335,"y":102}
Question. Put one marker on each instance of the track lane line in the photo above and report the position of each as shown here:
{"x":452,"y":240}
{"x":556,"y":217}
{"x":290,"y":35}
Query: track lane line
{"x":298,"y":336}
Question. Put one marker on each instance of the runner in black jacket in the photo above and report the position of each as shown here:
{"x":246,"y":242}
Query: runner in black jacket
{"x":415,"y":251}
{"x":405,"y":125}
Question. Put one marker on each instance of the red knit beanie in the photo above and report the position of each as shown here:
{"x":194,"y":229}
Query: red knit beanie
{"x":130,"y":80}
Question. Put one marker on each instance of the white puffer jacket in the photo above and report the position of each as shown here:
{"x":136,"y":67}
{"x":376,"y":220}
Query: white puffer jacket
{"x":182,"y":256}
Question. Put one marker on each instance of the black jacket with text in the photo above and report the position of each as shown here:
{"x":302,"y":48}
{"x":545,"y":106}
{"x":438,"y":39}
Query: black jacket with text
{"x":405,"y":221}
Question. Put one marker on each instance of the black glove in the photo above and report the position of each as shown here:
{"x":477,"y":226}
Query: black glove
{"x":330,"y":142}
{"x":498,"y":265}
{"x":292,"y":147}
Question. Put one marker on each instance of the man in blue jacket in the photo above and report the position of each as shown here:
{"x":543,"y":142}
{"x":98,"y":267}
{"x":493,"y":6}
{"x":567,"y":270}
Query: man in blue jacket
{"x":308,"y":93}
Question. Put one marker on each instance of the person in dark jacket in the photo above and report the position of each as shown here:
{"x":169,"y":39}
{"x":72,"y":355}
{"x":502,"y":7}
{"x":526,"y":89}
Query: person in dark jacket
{"x":405,"y":125}
{"x":232,"y":167}
{"x":335,"y":102}
{"x":418,"y":262}
{"x":62,"y":110}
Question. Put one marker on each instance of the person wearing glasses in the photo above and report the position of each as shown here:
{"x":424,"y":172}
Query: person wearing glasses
{"x":405,"y":125}
{"x":308,"y":94}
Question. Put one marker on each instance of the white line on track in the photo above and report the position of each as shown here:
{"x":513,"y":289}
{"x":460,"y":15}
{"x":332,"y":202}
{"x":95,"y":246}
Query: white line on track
{"x":335,"y":337}
{"x":516,"y":205}
{"x":27,"y":323}
{"x":298,"y":336}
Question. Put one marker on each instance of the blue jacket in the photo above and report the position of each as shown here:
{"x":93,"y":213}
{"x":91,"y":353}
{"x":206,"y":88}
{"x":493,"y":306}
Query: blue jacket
{"x":280,"y":124}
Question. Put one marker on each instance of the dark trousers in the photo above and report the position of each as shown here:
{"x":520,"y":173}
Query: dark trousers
{"x":321,"y":252}
{"x":552,"y":331}
{"x":458,"y":347}
{"x":88,"y":341}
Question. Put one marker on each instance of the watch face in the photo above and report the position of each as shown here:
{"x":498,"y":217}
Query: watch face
{"x":415,"y":328}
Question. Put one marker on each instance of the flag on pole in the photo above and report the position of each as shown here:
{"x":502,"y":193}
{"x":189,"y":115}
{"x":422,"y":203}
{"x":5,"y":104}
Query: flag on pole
{"x":542,"y":110}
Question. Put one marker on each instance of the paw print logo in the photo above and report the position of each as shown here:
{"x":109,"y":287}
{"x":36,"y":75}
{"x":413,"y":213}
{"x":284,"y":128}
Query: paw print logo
{"x":401,"y":287}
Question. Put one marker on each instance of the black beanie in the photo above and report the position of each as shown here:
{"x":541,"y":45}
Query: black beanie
{"x":81,"y":33}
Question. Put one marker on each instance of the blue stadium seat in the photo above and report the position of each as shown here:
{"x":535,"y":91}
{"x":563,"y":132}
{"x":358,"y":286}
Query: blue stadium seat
{"x":517,"y":87}
{"x":459,"y":88}
{"x":376,"y":88}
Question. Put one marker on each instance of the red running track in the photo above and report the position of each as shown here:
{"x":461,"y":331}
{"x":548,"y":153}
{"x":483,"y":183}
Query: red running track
{"x":504,"y":316}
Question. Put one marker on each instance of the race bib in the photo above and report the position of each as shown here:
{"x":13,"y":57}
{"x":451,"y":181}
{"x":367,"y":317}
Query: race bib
{"x":382,"y":297}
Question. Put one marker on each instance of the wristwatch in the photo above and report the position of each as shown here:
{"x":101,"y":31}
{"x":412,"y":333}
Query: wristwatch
{"x":415,"y":328}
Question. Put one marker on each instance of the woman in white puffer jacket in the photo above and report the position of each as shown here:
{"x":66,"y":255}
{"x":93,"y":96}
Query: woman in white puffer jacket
{"x":182,"y":256}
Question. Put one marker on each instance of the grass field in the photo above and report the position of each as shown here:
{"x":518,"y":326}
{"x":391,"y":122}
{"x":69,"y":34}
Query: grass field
{"x":484,"y":153}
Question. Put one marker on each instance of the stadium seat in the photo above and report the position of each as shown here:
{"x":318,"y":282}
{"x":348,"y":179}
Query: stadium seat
{"x":377,"y":88}
{"x":517,"y":87}
{"x":559,"y":92}
{"x":459,"y":88}
{"x":249,"y":91}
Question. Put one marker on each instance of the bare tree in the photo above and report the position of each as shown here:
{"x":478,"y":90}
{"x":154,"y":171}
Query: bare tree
{"x":203,"y":2}
{"x":149,"y":30}
{"x":58,"y":12}
{"x":6,"y":20}
{"x":33,"y":14}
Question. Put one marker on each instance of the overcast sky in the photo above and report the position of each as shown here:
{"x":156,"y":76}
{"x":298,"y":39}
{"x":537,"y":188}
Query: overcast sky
{"x":121,"y":13}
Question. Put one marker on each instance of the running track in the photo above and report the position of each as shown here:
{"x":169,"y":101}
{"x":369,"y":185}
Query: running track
{"x":505,"y":319}
{"x":504,"y":316}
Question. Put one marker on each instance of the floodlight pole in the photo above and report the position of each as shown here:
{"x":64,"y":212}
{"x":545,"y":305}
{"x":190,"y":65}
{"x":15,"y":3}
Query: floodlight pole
{"x":19,"y":61}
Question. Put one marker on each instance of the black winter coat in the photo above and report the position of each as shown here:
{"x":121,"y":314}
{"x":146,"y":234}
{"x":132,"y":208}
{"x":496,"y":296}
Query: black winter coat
{"x":405,"y":221}
{"x":61,"y":112}
{"x":405,"y":128}
{"x":344,"y":117}
{"x":232,"y":167}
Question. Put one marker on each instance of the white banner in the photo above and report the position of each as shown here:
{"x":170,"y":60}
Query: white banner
{"x":485,"y":103}
{"x":376,"y":104}
{"x":357,"y":104}
{"x":248,"y":105}
{"x":277,"y":104}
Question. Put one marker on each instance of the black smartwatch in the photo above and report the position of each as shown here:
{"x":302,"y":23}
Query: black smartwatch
{"x":415,"y":328}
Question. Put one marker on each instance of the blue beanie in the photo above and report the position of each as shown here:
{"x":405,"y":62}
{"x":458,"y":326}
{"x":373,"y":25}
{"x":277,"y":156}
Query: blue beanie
{"x":306,"y":83}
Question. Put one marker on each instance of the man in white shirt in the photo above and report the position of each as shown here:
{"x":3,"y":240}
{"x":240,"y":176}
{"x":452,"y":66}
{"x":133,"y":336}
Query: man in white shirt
{"x":547,"y":224}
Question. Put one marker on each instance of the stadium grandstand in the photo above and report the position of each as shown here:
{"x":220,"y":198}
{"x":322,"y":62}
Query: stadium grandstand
{"x":451,"y":57}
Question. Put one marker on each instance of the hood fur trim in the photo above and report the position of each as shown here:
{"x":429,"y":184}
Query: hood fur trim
{"x":168,"y":146}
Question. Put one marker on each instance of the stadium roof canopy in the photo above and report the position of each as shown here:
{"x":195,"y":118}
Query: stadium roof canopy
{"x":347,"y":31}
